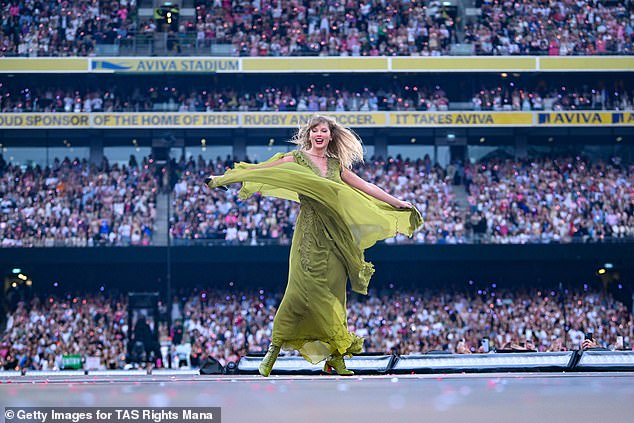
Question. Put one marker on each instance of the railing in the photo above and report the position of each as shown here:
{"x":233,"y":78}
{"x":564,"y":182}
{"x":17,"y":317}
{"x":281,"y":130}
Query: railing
{"x":165,"y":44}
{"x":187,"y":44}
{"x":467,"y":239}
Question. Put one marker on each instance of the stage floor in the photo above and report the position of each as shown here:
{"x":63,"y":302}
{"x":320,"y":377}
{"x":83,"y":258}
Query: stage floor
{"x":462,"y":398}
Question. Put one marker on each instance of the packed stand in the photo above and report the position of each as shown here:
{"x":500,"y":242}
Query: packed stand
{"x":555,"y":28}
{"x":329,"y":28}
{"x":546,"y":200}
{"x":567,"y":199}
{"x":64,"y":28}
{"x":561,"y":200}
{"x":219,"y":216}
{"x":227,"y":325}
{"x":73,"y":203}
{"x":512,"y":98}
{"x":307,"y":98}
{"x":284,"y":28}
{"x":327,"y":97}
{"x":40,"y":332}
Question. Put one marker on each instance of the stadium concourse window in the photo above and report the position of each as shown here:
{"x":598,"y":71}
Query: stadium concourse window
{"x":476,"y":153}
{"x":42,"y":156}
{"x":123,"y":155}
{"x":623,"y":154}
{"x":415,"y":152}
{"x":257,"y":153}
{"x":208,"y":153}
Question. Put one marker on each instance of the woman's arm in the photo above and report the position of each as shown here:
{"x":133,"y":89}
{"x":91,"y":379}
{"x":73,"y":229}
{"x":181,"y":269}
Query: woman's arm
{"x":354,"y":181}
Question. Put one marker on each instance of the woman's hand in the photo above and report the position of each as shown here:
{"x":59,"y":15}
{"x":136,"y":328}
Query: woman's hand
{"x":209,"y":181}
{"x":403,"y":205}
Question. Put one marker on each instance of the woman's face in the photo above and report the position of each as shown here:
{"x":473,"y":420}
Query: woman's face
{"x":319,"y":137}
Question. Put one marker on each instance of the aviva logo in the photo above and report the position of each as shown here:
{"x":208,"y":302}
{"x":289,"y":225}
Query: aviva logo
{"x":98,"y":64}
{"x":575,"y":118}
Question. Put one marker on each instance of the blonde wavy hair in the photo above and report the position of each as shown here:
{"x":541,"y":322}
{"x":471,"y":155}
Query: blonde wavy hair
{"x":345,"y":145}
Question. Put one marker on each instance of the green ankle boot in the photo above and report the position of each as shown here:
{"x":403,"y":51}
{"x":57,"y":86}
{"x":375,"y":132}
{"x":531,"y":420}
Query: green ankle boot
{"x":337,"y":363}
{"x":269,"y":360}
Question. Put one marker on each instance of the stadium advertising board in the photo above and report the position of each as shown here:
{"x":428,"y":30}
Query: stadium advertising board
{"x":165,"y":120}
{"x":160,"y":65}
{"x":43,"y":64}
{"x":45,"y":120}
{"x":295,"y":119}
{"x":315,"y":64}
{"x":589,"y":118}
{"x":118,"y":120}
{"x":463,"y":64}
{"x":461,"y":119}
{"x":587,"y":63}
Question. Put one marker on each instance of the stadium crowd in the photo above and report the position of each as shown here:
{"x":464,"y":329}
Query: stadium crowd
{"x":214,"y":215}
{"x":73,"y":203}
{"x":555,"y":28}
{"x":63,"y":28}
{"x":334,"y":28}
{"x":561,"y":200}
{"x":510,"y":98}
{"x":227,"y":325}
{"x":566,"y":199}
{"x":546,"y":200}
{"x":311,"y":98}
{"x":330,"y":28}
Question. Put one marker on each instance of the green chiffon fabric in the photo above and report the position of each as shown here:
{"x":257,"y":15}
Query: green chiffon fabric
{"x":335,"y":225}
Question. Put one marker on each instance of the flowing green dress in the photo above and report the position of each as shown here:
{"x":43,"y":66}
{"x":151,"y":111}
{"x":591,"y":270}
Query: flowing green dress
{"x":335,"y":225}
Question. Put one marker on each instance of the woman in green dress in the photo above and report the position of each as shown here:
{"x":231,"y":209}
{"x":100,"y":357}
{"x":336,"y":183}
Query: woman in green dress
{"x":340,"y":216}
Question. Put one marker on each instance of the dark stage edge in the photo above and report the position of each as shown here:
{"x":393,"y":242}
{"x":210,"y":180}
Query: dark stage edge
{"x":460,"y":398}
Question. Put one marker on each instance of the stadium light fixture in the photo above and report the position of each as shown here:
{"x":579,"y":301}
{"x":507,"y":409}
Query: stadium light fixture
{"x":494,"y":362}
{"x":601,"y":271}
{"x":16,"y":270}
